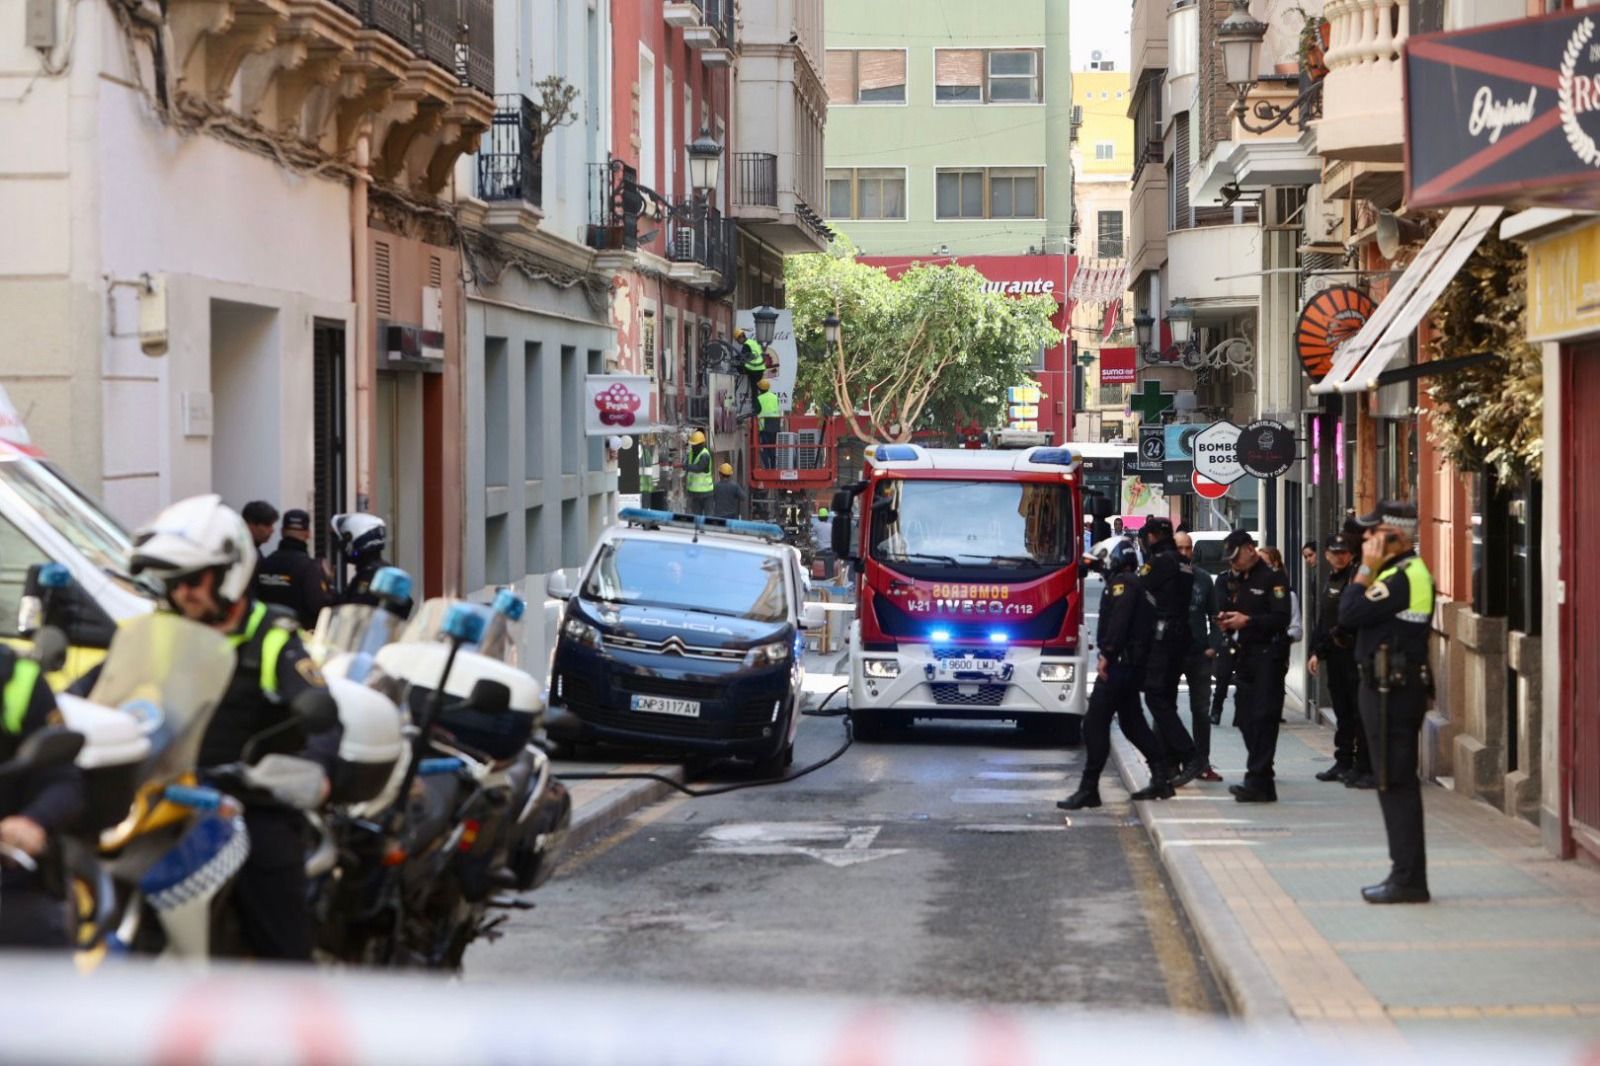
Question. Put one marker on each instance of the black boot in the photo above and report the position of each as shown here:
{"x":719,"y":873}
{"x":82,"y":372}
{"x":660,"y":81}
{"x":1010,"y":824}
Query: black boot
{"x":1160,"y":786}
{"x":1193,"y":769}
{"x":1337,"y":772}
{"x":1086,"y":796}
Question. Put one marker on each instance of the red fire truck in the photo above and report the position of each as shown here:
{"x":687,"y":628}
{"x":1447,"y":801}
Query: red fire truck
{"x":968,"y":593}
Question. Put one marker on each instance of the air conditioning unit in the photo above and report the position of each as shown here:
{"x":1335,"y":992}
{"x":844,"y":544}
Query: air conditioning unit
{"x":683,"y":244}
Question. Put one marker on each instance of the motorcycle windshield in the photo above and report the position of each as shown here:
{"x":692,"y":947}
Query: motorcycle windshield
{"x":341,"y":629}
{"x":169,"y":673}
{"x":500,"y":635}
{"x":428,"y":623}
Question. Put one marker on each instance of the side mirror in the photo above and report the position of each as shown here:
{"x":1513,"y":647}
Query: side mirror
{"x":561,"y":584}
{"x":316,"y":710}
{"x":52,"y":746}
{"x":813,"y":616}
{"x":52,"y":598}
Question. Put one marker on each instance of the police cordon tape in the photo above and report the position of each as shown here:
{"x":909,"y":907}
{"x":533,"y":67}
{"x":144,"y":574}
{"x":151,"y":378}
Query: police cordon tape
{"x":146,"y":1013}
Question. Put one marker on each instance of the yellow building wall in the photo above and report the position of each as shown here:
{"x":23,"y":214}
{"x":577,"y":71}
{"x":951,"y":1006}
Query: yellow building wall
{"x":1103,"y":95}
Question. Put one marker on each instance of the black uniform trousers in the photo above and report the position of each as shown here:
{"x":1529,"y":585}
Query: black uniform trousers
{"x":1116,"y":697}
{"x":1197,"y":675}
{"x":1162,"y":674}
{"x":1344,"y":688}
{"x":1401,"y":799}
{"x":270,"y":893}
{"x":1258,"y":675}
{"x":31,"y":916}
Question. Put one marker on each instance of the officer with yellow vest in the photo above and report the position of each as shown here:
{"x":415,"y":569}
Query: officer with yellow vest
{"x":770,"y":416}
{"x":697,"y":481}
{"x":201,"y":552}
{"x":33,"y":805}
{"x":755,"y":364}
{"x":1389,"y":606}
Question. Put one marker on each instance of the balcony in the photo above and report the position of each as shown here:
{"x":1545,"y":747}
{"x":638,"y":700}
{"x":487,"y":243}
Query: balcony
{"x":680,"y":14}
{"x":1197,"y":257}
{"x":510,"y":172}
{"x":1363,"y":101}
{"x":701,"y":246}
{"x":755,"y":180}
{"x":615,"y":200}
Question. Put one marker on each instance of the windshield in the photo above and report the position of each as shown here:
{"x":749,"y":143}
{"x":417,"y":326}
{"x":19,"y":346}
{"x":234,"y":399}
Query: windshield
{"x":688,"y":576}
{"x":75,"y":517}
{"x":972,"y":523}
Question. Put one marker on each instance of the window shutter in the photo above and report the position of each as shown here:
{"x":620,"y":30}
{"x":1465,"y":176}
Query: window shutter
{"x":882,"y":69}
{"x":840,"y":75}
{"x":1180,"y":168}
{"x":382,"y":297}
{"x":958,"y":66}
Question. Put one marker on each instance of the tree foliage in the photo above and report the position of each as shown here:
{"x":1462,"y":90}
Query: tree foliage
{"x":1489,"y":417}
{"x":930,"y":348}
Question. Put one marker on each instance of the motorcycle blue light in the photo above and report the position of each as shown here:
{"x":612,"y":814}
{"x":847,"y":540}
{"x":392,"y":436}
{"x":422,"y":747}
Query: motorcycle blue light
{"x":940,"y":636}
{"x":509,"y":604}
{"x":54,"y":576}
{"x":998,"y":637}
{"x":392,"y":583}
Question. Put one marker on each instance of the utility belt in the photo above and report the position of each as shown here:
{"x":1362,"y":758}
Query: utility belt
{"x":1402,"y":672}
{"x":1171,"y":629}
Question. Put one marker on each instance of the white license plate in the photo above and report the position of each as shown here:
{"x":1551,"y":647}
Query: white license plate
{"x":952,"y":667}
{"x":663,"y":705}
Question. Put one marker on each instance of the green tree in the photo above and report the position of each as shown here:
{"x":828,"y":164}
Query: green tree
{"x":929,"y":348}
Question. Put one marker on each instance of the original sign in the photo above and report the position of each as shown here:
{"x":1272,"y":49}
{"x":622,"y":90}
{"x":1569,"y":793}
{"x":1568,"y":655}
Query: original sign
{"x":1328,"y":319}
{"x":1216,"y":453}
{"x":1152,"y":449}
{"x":1266,"y":449}
{"x":1506,"y":114}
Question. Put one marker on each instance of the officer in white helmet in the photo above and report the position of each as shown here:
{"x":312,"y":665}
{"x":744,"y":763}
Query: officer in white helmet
{"x":363,"y":538}
{"x":203,"y":554}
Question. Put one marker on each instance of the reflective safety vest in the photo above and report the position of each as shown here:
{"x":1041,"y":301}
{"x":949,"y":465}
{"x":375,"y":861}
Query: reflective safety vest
{"x":1420,"y":583}
{"x":699,"y":480}
{"x":19,"y":693}
{"x":754,"y":360}
{"x":769,"y":407}
{"x":272,"y":645}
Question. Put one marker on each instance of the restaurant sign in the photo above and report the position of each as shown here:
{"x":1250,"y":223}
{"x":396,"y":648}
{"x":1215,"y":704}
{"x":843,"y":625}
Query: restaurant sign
{"x":1506,"y":114}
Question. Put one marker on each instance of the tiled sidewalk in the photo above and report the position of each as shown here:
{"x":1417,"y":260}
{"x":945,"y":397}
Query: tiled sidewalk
{"x":1511,"y":940}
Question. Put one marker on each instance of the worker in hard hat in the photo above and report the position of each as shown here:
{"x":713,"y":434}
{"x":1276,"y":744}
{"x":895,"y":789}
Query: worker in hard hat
{"x":822,"y":539}
{"x":767,"y":403}
{"x":727,"y":499}
{"x":697,"y":474}
{"x":754,"y":365}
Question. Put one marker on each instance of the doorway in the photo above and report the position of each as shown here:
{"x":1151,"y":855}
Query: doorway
{"x":329,"y":432}
{"x":1580,"y":615}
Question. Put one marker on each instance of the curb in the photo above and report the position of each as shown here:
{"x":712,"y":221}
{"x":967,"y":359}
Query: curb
{"x":1245,"y":982}
{"x":594,"y":816}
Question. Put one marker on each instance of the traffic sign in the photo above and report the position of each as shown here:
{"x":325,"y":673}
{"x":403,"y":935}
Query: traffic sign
{"x":1205,"y":488}
{"x":1266,"y":449}
{"x":1216,"y":453}
{"x":1152,"y":448}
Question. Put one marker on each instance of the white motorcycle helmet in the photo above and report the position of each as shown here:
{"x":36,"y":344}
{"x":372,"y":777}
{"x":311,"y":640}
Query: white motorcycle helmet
{"x":360,"y":534}
{"x":194,"y":535}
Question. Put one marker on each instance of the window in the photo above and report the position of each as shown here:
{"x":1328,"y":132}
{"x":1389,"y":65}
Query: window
{"x":694,"y":577}
{"x":947,"y":525}
{"x":868,"y":192}
{"x":866,"y":76}
{"x":998,"y":192}
{"x":1105,"y":150}
{"x":1110,"y":394}
{"x":1109,"y":244}
{"x":988,"y":76}
{"x":647,"y":119}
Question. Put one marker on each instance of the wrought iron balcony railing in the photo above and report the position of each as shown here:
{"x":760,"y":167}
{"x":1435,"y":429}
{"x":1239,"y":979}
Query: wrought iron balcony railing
{"x":615,"y":199}
{"x":458,"y":35}
{"x":509,"y":168}
{"x":755,"y":179}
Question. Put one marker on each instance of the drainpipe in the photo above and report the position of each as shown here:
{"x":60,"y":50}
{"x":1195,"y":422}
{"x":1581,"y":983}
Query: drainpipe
{"x":365,"y":431}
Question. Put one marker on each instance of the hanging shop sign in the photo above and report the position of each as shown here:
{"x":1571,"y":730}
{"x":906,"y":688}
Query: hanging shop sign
{"x":1216,"y":453}
{"x":1178,"y":462}
{"x":1328,"y":319}
{"x":1266,"y":449}
{"x":617,"y":403}
{"x":1117,"y":366}
{"x":1564,"y":285}
{"x":1152,"y":449}
{"x":1506,"y":114}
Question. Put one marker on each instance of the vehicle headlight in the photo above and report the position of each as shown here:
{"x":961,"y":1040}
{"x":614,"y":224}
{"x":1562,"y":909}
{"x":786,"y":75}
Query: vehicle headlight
{"x":885,"y":668}
{"x":580,"y":632}
{"x":767,"y":654}
{"x":1060,"y":673}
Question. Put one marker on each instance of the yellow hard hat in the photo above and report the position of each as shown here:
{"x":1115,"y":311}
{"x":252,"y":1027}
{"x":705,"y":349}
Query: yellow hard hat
{"x":697,"y":437}
{"x":739,"y":331}
{"x":765,"y":385}
{"x":726,"y":469}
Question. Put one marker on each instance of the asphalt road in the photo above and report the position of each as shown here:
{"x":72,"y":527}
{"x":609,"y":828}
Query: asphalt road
{"x":932,"y":865}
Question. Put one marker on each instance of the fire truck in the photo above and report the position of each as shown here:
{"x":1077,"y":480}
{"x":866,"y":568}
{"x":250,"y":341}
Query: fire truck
{"x":969,"y":599}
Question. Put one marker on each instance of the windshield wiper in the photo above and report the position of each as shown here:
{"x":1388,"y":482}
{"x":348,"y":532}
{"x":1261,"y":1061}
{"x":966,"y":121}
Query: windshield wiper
{"x":910,"y":557}
{"x":1016,"y":560}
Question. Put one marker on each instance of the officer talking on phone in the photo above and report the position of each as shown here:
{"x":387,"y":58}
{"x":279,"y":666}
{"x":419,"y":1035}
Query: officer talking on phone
{"x":1389,"y":606}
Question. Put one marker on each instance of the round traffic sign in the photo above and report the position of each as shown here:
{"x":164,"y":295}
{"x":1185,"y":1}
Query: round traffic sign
{"x":1207,"y":489}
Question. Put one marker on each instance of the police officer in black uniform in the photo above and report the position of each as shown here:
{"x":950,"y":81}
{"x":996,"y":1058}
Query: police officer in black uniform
{"x":1389,"y":606}
{"x":1333,"y":657}
{"x":33,"y":805}
{"x":201,"y":552}
{"x":362,"y":539}
{"x":1168,"y":580}
{"x":1256,"y":613}
{"x":290,"y":577}
{"x":1125,"y":634}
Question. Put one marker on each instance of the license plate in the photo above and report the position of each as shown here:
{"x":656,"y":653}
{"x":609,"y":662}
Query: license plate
{"x":952,"y":667}
{"x":788,"y":475}
{"x":663,"y":705}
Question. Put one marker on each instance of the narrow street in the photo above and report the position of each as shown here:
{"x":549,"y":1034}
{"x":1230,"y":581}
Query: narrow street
{"x":931,"y":865}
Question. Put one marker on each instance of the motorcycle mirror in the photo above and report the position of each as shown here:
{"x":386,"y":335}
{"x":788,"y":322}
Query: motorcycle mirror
{"x":491,"y":697}
{"x":316,"y":710}
{"x":51,"y":746}
{"x":49,"y":648}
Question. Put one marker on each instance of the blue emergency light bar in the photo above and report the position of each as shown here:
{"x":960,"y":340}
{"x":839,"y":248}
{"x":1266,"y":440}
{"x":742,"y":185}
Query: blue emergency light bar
{"x":1054,"y":457}
{"x":999,"y":636}
{"x":940,"y":636}
{"x":654,"y":519}
{"x":509,"y":604}
{"x":889,"y":453}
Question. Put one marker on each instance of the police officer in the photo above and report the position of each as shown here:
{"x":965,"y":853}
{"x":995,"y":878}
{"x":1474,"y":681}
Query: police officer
{"x":362,"y":539}
{"x":1205,"y":644}
{"x":728,"y":498}
{"x":1333,"y":657}
{"x":1168,"y":580}
{"x":33,"y":805}
{"x":754,"y":366}
{"x":1125,"y":635}
{"x":697,"y":474}
{"x":200,"y":550}
{"x":1256,"y":612}
{"x":290,"y":577}
{"x":1389,"y":605}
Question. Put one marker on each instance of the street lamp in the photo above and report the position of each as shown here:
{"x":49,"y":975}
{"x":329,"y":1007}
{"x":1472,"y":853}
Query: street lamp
{"x":1143,"y":325}
{"x":705,"y":159}
{"x":1240,"y":36}
{"x":830,"y":329}
{"x":766,"y":324}
{"x":1180,"y":318}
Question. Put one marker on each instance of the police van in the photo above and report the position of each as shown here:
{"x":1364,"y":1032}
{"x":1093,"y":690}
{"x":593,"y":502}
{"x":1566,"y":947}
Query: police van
{"x":683,"y":635}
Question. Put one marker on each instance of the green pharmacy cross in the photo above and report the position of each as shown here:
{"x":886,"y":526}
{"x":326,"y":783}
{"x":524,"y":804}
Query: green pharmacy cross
{"x":1151,"y":402}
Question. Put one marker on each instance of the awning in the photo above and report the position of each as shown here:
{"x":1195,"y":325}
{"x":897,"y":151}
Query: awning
{"x":1387,"y":334}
